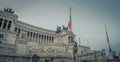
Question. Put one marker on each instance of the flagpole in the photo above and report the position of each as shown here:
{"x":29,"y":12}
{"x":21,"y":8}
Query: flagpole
{"x":70,"y":22}
{"x":110,"y":49}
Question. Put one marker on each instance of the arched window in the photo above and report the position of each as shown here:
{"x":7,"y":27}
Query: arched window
{"x":5,"y":24}
{"x":9,"y":25}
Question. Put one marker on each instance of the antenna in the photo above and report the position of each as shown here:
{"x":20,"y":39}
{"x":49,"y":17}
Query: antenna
{"x":79,"y":41}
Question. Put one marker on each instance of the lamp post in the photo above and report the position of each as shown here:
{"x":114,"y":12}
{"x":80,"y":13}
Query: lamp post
{"x":95,"y":56}
{"x":75,"y":50}
{"x":35,"y":58}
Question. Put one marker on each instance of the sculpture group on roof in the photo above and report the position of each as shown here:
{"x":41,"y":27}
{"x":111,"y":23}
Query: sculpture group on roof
{"x":58,"y":29}
{"x":9,"y":10}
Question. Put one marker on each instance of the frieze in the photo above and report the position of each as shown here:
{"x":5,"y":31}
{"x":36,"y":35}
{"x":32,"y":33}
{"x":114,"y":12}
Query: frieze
{"x":34,"y":28}
{"x":8,"y":15}
{"x":20,"y":41}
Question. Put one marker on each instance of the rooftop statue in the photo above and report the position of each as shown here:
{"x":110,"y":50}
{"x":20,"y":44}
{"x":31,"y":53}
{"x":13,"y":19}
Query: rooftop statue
{"x":9,"y":10}
{"x":58,"y":29}
{"x":64,"y":28}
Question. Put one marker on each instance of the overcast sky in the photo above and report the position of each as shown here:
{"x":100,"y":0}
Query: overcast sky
{"x":88,"y":18}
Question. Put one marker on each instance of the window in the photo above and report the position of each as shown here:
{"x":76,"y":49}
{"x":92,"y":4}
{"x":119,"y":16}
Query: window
{"x":5,"y":23}
{"x":1,"y":36}
{"x":42,"y":37}
{"x":1,"y":20}
{"x":69,"y":39}
{"x":23,"y":36}
{"x":47,"y":38}
{"x":18,"y":30}
{"x":33,"y":36}
{"x":82,"y":52}
{"x":52,"y":39}
{"x":36,"y":37}
{"x":15,"y":29}
{"x":28,"y":34}
{"x":39,"y":36}
{"x":72,"y":39}
{"x":9,"y":25}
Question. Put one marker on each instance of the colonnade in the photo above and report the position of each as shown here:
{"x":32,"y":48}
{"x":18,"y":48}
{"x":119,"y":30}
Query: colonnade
{"x":36,"y":37}
{"x":40,"y":38}
{"x":32,"y":36}
{"x":5,"y":24}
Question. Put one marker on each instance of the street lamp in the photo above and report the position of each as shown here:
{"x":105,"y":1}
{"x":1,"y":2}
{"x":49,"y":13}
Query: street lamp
{"x":75,"y":50}
{"x":35,"y":58}
{"x":95,"y":56}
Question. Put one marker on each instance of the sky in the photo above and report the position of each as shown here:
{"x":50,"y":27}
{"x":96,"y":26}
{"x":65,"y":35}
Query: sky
{"x":88,"y":18}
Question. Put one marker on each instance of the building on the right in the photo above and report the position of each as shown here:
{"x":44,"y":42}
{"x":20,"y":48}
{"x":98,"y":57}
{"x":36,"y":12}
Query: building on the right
{"x":113,"y":57}
{"x":92,"y":56}
{"x":98,"y":56}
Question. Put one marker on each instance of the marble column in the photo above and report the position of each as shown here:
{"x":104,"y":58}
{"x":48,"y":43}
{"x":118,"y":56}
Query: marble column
{"x":50,"y":39}
{"x":32,"y":37}
{"x":43,"y":38}
{"x":36,"y":37}
{"x":47,"y":38}
{"x":7,"y":24}
{"x":29,"y":35}
{"x":2,"y":24}
{"x":39,"y":38}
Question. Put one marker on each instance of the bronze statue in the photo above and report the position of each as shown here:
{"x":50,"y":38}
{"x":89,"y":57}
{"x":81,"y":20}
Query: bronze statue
{"x":65,"y":28}
{"x":58,"y":29}
{"x":9,"y":10}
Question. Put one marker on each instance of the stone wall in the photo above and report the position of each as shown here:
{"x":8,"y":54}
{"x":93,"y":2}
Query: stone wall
{"x":6,"y":58}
